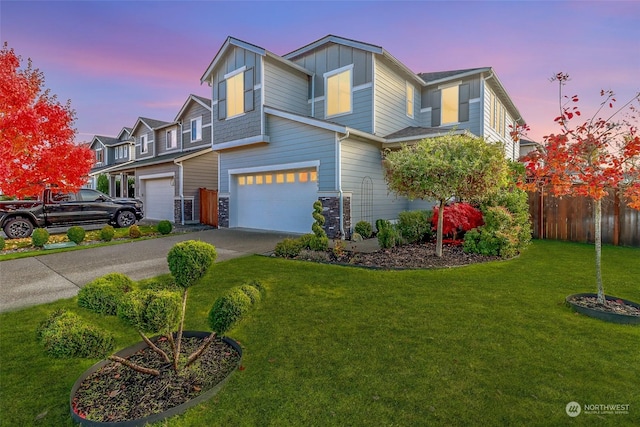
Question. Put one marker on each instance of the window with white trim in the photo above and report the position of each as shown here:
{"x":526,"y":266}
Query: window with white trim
{"x":99,"y":155}
{"x":196,"y":129}
{"x":172,"y":139}
{"x":410,"y":96}
{"x":450,"y":100}
{"x":338,"y":94}
{"x":144,"y":145}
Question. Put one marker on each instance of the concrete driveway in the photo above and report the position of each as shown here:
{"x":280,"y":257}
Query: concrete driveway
{"x":45,"y":278}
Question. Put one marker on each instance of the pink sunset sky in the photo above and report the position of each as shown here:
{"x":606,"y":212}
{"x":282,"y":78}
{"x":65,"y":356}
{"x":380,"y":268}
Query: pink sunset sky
{"x":117,"y":60}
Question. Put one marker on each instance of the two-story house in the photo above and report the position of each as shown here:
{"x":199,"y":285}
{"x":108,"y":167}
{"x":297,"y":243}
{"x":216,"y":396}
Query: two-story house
{"x":170,"y":162}
{"x":312,"y":125}
{"x":112,"y":153}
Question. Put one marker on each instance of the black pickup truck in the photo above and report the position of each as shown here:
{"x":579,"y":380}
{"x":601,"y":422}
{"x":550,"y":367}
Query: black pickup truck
{"x":18,"y":218}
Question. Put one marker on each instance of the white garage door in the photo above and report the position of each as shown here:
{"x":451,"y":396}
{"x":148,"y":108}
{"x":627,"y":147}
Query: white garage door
{"x":279,"y":201}
{"x":158,"y":200}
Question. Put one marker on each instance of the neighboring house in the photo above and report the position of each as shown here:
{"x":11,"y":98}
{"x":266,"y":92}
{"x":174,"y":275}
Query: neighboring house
{"x":111,"y":153}
{"x":527,"y":146}
{"x":313,"y":124}
{"x":172,"y":161}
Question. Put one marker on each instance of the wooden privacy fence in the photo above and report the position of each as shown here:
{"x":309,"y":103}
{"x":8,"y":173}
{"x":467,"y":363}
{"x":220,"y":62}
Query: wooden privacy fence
{"x":209,"y":207}
{"x":571,"y":219}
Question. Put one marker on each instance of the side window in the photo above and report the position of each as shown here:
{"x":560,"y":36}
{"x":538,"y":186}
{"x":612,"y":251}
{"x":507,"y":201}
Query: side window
{"x":338,"y":94}
{"x":409,"y":97}
{"x":196,"y":129}
{"x":144,"y":146}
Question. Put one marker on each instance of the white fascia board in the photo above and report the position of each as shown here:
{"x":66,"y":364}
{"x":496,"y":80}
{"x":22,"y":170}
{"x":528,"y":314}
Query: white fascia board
{"x":186,"y":104}
{"x":404,"y":68}
{"x":334,"y":39}
{"x":240,"y":143}
{"x":288,"y":63}
{"x":229,"y":42}
{"x":306,"y":120}
{"x":192,"y":155}
{"x":105,"y":170}
{"x":458,"y":76}
{"x":430,"y":135}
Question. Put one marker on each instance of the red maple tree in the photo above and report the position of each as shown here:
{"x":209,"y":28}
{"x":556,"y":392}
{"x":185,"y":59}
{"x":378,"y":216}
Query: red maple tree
{"x":590,"y":158}
{"x":36,"y":134}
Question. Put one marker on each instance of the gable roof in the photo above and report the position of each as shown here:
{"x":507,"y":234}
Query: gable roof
{"x":205,"y":102}
{"x":231,"y":41}
{"x":367,"y":47}
{"x":151,"y":124}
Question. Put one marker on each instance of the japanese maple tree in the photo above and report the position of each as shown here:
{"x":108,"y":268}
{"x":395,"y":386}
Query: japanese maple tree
{"x":588,"y":158}
{"x":36,"y":134}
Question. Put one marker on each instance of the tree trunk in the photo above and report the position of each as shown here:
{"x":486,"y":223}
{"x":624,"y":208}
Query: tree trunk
{"x":135,"y":367}
{"x":154,"y":347}
{"x":194,"y":356}
{"x":439,"y":229}
{"x":597,"y":216}
{"x":176,"y":354}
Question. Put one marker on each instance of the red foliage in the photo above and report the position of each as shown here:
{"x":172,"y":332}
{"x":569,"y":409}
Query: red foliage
{"x":589,"y":158}
{"x":36,"y":134}
{"x":458,"y":217}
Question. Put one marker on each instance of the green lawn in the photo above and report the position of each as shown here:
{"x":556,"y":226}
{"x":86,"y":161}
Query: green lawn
{"x":489,"y":344}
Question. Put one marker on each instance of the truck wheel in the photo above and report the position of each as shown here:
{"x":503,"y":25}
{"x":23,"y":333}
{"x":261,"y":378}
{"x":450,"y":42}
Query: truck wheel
{"x":125,"y":219}
{"x":18,"y":228}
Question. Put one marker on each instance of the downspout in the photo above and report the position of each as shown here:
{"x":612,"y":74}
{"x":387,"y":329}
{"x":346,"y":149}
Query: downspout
{"x":181,"y":177}
{"x":339,"y":181}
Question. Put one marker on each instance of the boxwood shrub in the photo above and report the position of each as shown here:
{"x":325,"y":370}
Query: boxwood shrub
{"x":252,"y":292}
{"x":228,"y":309}
{"x":2,"y":243}
{"x":104,"y":294}
{"x":151,"y":311}
{"x":39,"y":237}
{"x":65,"y":334}
{"x":364,"y":229}
{"x":164,"y":227}
{"x":134,"y":231}
{"x":190,"y":260}
{"x":106,"y":233}
{"x":415,"y":226}
{"x":76,"y":234}
{"x":289,"y":247}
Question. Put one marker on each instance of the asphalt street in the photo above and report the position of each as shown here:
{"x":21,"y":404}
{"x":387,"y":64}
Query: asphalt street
{"x":45,"y":278}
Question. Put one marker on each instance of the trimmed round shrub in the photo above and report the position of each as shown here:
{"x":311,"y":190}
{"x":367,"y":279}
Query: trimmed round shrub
{"x":76,"y":234}
{"x":65,"y":334}
{"x":164,"y":227}
{"x":259,"y":286}
{"x":364,"y":229}
{"x":190,"y":260}
{"x":104,"y":294}
{"x":228,"y":309}
{"x":39,"y":237}
{"x":305,"y":240}
{"x":2,"y":243}
{"x":134,"y":231}
{"x":290,"y":248}
{"x":252,"y":292}
{"x":151,"y":311}
{"x":319,"y":243}
{"x":107,"y":232}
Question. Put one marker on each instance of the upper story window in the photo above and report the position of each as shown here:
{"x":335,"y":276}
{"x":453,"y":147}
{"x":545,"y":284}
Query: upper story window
{"x":117,"y":152}
{"x":172,"y":139}
{"x":410,"y":97}
{"x":497,"y":114}
{"x":144,"y":144}
{"x":196,"y":129}
{"x":235,"y":93}
{"x":450,"y":99}
{"x":99,"y":155}
{"x":338,"y":94}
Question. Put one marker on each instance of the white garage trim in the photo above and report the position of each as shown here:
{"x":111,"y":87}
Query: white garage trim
{"x":158,"y":175}
{"x":158,"y":196}
{"x":269,"y":168}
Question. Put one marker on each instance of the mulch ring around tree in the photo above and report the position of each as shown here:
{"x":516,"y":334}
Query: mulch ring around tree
{"x":419,"y":255}
{"x":116,"y":393}
{"x":611,"y":306}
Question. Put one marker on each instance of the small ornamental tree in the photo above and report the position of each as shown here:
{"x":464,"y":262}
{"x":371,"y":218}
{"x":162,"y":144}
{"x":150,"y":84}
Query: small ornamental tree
{"x":36,"y":135}
{"x":445,"y":167}
{"x":589,"y":158}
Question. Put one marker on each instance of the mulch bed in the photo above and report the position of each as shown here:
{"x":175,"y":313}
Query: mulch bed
{"x":419,"y":255}
{"x":116,"y":393}
{"x":611,"y":306}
